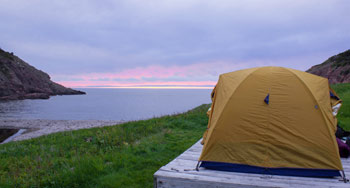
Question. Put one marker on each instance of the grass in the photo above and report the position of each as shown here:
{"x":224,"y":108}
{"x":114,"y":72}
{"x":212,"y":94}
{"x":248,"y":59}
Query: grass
{"x":125,"y":155}
{"x":340,"y":60}
{"x":6,"y":54}
{"x":343,"y":90}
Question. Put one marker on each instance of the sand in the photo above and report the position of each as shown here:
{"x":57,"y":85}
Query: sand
{"x":39,"y":127}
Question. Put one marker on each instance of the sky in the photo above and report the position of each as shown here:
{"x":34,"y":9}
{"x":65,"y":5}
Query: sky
{"x":170,"y":43}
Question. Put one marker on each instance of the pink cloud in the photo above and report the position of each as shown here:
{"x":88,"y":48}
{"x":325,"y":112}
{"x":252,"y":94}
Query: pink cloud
{"x":141,"y":84}
{"x":194,"y":75}
{"x":154,"y":71}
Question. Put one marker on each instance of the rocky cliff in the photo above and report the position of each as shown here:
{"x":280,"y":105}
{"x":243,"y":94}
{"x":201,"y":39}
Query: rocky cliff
{"x":335,"y":68}
{"x":19,"y":80}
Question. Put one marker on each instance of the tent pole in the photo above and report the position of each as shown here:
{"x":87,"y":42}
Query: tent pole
{"x":197,"y":167}
{"x":343,"y":176}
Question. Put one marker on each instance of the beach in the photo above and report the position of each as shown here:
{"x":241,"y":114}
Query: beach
{"x":39,"y":127}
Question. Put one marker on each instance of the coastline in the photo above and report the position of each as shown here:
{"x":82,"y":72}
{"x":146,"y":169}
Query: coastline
{"x":39,"y":127}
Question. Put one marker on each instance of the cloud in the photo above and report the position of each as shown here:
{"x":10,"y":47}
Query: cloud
{"x":131,"y":37}
{"x":194,"y":74}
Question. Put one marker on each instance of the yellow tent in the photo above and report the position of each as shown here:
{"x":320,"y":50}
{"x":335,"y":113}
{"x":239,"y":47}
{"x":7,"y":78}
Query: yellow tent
{"x":272,"y":120}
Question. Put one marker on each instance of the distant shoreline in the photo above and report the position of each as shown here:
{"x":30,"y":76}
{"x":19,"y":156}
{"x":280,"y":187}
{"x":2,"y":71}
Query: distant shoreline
{"x":146,"y":87}
{"x":39,"y":127}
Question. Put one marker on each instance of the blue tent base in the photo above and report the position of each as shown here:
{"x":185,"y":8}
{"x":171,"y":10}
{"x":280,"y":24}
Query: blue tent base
{"x":270,"y":171}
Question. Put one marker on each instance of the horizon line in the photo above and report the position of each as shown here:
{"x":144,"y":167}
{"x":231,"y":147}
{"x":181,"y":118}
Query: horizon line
{"x":143,"y":87}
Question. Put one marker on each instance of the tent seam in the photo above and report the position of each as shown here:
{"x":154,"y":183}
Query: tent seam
{"x":223,"y":109}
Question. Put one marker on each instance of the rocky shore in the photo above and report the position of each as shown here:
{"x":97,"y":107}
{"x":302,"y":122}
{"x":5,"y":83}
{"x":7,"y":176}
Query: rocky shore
{"x":19,"y":80}
{"x":36,"y":128}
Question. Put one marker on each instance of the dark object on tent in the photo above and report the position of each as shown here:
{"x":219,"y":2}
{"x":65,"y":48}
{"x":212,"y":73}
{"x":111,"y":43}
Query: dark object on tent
{"x":344,"y":149}
{"x":267,"y":99}
{"x":333,"y":96}
{"x":341,"y":132}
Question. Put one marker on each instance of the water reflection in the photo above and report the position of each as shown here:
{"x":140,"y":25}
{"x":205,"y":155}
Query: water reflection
{"x":13,"y":109}
{"x":107,"y":104}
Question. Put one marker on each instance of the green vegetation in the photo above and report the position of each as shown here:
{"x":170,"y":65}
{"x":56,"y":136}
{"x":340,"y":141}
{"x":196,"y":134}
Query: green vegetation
{"x":345,"y":72}
{"x":4,"y":70}
{"x":125,"y":155}
{"x":340,"y":60}
{"x":6,"y":54}
{"x":343,"y":90}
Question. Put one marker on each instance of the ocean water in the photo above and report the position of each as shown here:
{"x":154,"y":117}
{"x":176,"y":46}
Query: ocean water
{"x":107,"y":104}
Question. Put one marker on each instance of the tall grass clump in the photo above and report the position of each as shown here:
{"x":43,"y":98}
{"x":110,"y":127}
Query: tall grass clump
{"x":343,"y":90}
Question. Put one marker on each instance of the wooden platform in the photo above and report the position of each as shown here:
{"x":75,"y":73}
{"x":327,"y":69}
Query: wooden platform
{"x":181,"y":173}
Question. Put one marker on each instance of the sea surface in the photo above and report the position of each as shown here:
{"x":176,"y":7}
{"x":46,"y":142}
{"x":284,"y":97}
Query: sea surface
{"x":107,"y":104}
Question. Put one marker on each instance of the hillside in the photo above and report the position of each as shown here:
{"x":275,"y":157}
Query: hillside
{"x":19,"y":80}
{"x":336,"y":68}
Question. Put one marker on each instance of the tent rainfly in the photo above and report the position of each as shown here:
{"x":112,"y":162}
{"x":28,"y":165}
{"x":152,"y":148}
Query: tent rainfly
{"x":272,"y":120}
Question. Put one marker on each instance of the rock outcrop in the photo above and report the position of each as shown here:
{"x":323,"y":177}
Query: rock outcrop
{"x":335,"y":68}
{"x":19,"y":80}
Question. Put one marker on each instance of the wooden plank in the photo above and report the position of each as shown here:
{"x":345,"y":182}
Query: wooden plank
{"x":181,"y":173}
{"x":195,"y":180}
{"x":166,"y":179}
{"x":259,"y":179}
{"x":232,"y":182}
{"x":241,"y":176}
